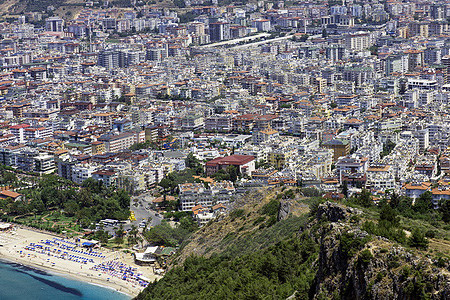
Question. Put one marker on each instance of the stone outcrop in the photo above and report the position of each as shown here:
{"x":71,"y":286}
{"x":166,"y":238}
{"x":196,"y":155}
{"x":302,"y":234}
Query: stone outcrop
{"x":283,"y":210}
{"x":376,"y":269}
{"x":334,"y":212}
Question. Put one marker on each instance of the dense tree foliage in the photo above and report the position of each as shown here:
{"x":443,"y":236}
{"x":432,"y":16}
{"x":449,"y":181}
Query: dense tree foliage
{"x":421,"y":210}
{"x":7,"y":177}
{"x":275,"y":273}
{"x":165,"y":235}
{"x":91,"y":202}
{"x":101,"y":235}
{"x":445,"y":210}
{"x":172,"y":180}
{"x":194,"y":163}
{"x":388,"y":225}
{"x":423,"y":204}
{"x":231,"y":173}
{"x":145,"y":145}
{"x":271,"y":208}
{"x":133,"y":235}
{"x":120,"y":233}
{"x":364,"y":198}
{"x":311,"y":192}
{"x":387,"y":148}
{"x":418,"y":240}
{"x":350,"y":244}
{"x":187,"y":17}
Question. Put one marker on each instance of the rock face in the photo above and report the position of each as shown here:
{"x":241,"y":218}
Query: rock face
{"x":372,"y":267}
{"x":334,"y":212}
{"x":283,"y":210}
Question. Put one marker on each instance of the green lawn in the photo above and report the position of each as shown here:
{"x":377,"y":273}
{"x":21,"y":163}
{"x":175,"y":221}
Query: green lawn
{"x":51,"y":221}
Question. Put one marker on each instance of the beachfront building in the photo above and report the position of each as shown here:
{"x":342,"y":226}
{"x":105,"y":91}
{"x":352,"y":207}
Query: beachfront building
{"x":151,"y":254}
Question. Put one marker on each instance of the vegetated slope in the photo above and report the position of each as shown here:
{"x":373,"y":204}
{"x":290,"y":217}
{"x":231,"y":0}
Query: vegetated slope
{"x":253,"y":252}
{"x":251,"y":226}
{"x":355,"y":265}
{"x":14,"y":7}
{"x":325,"y":256}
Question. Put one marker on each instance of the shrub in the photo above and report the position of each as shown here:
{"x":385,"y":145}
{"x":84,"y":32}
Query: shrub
{"x":418,"y":240}
{"x":406,"y":271}
{"x":289,"y":194}
{"x":393,"y":262}
{"x":380,"y":276}
{"x":364,"y":199}
{"x":417,"y":288}
{"x":314,"y":205}
{"x":271,"y":208}
{"x":272,"y":220}
{"x":430,"y":234}
{"x":365,"y":257}
{"x":259,"y":220}
{"x":237,"y":213}
{"x":355,"y":219}
{"x":387,"y":226}
{"x":311,"y":192}
{"x":440,"y":262}
{"x":351,"y":244}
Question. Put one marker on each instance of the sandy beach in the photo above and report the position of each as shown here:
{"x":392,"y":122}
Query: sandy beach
{"x":13,"y":249}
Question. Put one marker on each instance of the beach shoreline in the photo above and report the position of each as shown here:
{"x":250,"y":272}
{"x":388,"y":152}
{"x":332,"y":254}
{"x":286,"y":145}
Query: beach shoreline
{"x":13,"y":252}
{"x":57,"y":272}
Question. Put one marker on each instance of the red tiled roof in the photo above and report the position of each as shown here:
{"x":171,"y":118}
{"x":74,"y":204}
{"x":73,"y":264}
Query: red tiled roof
{"x":231,"y":160}
{"x":19,"y":126}
{"x":10,"y":194}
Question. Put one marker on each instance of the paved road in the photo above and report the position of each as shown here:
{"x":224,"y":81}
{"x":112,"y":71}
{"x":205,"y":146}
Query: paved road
{"x":142,"y":212}
{"x":263,"y":42}
{"x":236,"y":41}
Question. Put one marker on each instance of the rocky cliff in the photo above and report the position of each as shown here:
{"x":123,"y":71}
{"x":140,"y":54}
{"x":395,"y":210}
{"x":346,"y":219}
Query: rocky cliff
{"x":278,"y":245}
{"x":354,"y":265}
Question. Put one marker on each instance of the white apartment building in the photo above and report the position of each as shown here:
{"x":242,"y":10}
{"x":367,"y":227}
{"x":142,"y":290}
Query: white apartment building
{"x":44,"y":163}
{"x":32,"y":133}
{"x":19,"y":132}
{"x":358,"y":41}
{"x":114,"y":143}
{"x":380,"y":177}
{"x":192,"y":194}
{"x":422,"y":84}
{"x":220,"y":123}
{"x":81,"y":173}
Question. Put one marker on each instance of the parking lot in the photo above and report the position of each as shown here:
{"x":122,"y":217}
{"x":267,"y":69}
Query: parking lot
{"x":142,"y":211}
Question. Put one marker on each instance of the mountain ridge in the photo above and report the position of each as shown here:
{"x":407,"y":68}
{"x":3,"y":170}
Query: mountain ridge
{"x":319,"y":252}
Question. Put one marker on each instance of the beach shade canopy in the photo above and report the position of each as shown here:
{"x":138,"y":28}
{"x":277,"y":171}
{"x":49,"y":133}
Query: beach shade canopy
{"x":144,"y":278}
{"x":88,"y":244}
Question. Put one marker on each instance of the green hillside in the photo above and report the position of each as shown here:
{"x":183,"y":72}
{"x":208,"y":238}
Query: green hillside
{"x":320,"y":252}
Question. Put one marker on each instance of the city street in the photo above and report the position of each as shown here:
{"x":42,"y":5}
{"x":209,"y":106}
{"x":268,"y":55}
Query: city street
{"x":142,"y":213}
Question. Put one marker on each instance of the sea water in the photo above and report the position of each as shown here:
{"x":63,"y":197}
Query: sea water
{"x":18,"y":282}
